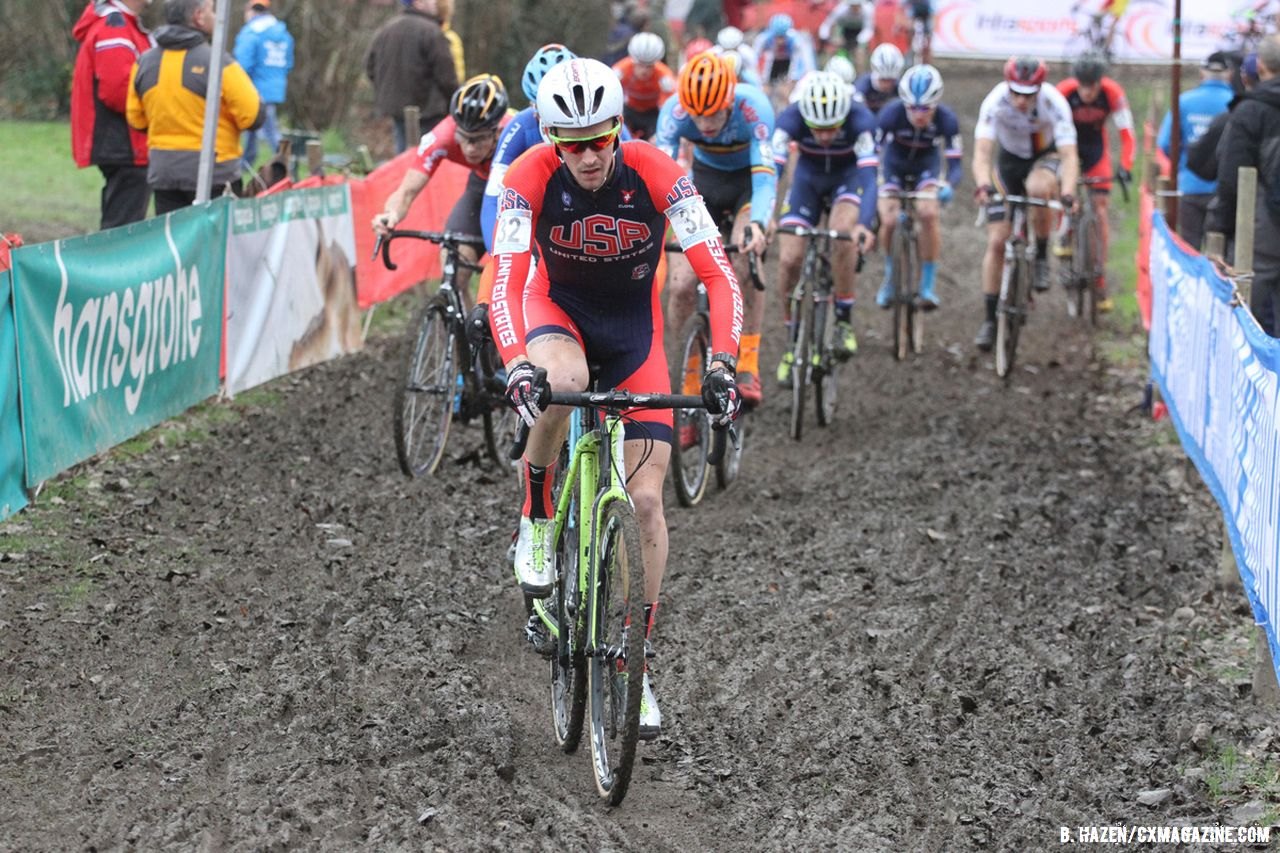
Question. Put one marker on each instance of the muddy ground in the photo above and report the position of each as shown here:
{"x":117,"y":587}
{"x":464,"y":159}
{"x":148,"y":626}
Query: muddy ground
{"x":962,"y":617}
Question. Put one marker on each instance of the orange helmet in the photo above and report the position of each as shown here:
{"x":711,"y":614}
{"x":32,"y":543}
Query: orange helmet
{"x":706,"y":84}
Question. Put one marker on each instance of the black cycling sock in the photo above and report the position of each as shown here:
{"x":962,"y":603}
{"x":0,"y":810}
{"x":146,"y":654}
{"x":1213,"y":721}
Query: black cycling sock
{"x":992,"y":302}
{"x":1042,"y":248}
{"x":537,"y":496}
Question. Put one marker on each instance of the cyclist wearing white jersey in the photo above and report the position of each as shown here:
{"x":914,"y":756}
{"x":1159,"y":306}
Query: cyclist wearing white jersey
{"x":1024,"y":144}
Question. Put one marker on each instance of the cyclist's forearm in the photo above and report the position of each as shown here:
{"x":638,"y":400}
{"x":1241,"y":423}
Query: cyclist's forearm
{"x":982,"y":162}
{"x":955,"y":170}
{"x":868,"y":180}
{"x":1070,"y":168}
{"x":398,"y":202}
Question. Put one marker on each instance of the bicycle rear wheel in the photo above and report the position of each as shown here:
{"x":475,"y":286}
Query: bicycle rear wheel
{"x":1009,"y":318}
{"x":824,"y":367}
{"x":802,"y":316}
{"x":615,"y":649}
{"x":424,"y":401}
{"x":568,"y":666}
{"x":692,"y":440}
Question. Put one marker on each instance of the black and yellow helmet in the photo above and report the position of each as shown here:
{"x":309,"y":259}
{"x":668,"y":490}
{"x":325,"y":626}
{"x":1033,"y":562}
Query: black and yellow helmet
{"x":479,"y":104}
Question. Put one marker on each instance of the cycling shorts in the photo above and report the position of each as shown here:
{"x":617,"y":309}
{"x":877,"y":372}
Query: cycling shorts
{"x":619,"y":329}
{"x":813,"y":192}
{"x":641,"y":123}
{"x":726,"y":193}
{"x":779,"y":70}
{"x":1011,"y":176}
{"x":465,"y":216}
{"x":1101,"y":169}
{"x":901,"y":173}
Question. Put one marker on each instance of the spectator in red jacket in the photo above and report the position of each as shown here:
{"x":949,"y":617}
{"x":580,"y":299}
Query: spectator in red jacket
{"x":111,"y":39}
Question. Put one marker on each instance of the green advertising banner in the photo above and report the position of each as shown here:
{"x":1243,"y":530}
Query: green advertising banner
{"x":13,"y":496}
{"x":117,"y":331}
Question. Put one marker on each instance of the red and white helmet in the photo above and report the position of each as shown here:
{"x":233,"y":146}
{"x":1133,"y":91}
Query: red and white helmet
{"x":1025,"y":74}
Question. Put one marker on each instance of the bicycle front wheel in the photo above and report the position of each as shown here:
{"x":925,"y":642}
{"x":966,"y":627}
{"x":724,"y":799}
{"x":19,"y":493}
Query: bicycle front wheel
{"x":802,"y":316}
{"x":692,"y":427}
{"x":1093,"y":267}
{"x":615,"y":649}
{"x":424,"y":401}
{"x":568,"y":666}
{"x":904,"y":296}
{"x":824,"y":368}
{"x":730,"y":464}
{"x":1009,"y":318}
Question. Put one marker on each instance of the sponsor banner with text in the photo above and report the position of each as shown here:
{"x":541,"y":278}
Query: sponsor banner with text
{"x":1057,"y":29}
{"x":1217,"y":372}
{"x":13,"y":496}
{"x":291,"y":288}
{"x":117,"y":331}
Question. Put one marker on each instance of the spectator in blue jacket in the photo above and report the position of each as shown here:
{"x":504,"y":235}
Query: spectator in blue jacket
{"x":1197,"y":109}
{"x":264,"y":50}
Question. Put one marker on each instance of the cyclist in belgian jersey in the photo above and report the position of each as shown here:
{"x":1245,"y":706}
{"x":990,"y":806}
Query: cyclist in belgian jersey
{"x":1094,"y":98}
{"x":468,"y":136}
{"x":833,"y":167}
{"x":879,"y":85}
{"x":786,"y":54}
{"x":597,"y":210}
{"x":916,"y":133}
{"x":1024,"y":144}
{"x":729,"y":125}
{"x":647,"y":82}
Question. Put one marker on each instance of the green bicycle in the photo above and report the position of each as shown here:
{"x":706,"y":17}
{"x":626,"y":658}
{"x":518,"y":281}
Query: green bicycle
{"x":594,"y":617}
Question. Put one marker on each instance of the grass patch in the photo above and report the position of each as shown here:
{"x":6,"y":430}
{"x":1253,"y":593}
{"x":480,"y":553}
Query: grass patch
{"x":1234,"y":775}
{"x":46,"y":195}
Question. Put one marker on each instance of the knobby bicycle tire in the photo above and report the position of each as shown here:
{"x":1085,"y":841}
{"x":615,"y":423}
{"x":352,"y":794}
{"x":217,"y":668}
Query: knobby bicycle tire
{"x":1094,"y":265}
{"x":730,"y":464}
{"x":1010,"y":316}
{"x":903,"y":293}
{"x":615,"y":649}
{"x":423,"y":408}
{"x":568,"y":666}
{"x":824,"y":370}
{"x":690,"y":471}
{"x":802,"y":316}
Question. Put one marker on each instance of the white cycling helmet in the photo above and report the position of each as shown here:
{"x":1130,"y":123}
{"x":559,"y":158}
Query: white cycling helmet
{"x":824,"y":99}
{"x":921,"y":86}
{"x":646,"y":47}
{"x":730,"y":38}
{"x":887,"y":63}
{"x":842,"y":66}
{"x":579,"y":93}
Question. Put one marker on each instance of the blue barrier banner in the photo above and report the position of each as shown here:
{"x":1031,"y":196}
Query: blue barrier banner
{"x":1218,"y":374}
{"x":13,"y":496}
{"x":117,"y":331}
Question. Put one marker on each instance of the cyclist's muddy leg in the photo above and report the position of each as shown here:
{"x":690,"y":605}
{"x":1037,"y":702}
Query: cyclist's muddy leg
{"x":462,"y":278}
{"x":887,"y":207}
{"x":645,"y":486}
{"x":1101,"y":205}
{"x":682,"y":291}
{"x":566,"y":367}
{"x":993,"y":260}
{"x":753,"y":300}
{"x":790,"y":257}
{"x":1042,"y":183}
{"x":927,"y":210}
{"x":844,"y":215}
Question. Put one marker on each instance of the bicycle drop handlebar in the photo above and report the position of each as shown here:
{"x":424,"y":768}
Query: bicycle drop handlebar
{"x":443,"y":238}
{"x":753,"y":263}
{"x":829,"y":233}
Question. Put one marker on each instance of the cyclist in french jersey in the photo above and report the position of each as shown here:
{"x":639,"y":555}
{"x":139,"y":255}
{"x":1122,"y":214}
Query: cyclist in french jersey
{"x":647,"y":82}
{"x":879,"y":85}
{"x":916,"y":133}
{"x":729,"y":125}
{"x":786,"y":54}
{"x":597,"y":210}
{"x":1094,"y":98}
{"x":1024,"y":144}
{"x":467,"y":136}
{"x":833,"y":168}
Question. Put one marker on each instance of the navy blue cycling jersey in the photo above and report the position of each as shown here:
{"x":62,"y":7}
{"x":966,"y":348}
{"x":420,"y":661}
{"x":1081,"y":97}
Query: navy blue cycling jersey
{"x":871,"y":96}
{"x":846,"y":167}
{"x":910,"y":151}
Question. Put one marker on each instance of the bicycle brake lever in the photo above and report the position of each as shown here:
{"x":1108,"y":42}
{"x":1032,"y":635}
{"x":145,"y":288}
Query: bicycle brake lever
{"x":377,"y":246}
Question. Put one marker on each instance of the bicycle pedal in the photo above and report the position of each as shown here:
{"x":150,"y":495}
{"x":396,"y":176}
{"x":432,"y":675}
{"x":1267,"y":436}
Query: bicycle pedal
{"x":539,"y":637}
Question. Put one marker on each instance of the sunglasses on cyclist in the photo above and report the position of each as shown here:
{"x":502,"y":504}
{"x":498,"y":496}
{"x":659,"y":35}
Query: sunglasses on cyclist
{"x":919,"y":110}
{"x":473,"y":138}
{"x":579,"y":144}
{"x":821,"y":128}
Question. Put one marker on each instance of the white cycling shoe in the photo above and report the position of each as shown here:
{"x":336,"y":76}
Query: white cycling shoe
{"x":534,"y":558}
{"x":650,"y":715}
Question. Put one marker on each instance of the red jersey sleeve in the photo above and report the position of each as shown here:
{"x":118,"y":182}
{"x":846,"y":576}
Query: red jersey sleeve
{"x":436,"y":144}
{"x":1123,"y":118}
{"x":524,"y":186}
{"x":674,"y":195}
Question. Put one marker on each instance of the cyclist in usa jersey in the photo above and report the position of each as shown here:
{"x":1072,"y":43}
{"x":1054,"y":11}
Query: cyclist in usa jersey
{"x":1094,"y":98}
{"x":729,"y":125}
{"x":916,"y":132}
{"x":1024,"y":144}
{"x":468,"y":135}
{"x":597,"y":210}
{"x":833,"y":166}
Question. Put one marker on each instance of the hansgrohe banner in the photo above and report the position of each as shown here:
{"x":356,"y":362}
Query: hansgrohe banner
{"x":117,"y":331}
{"x":12,"y":495}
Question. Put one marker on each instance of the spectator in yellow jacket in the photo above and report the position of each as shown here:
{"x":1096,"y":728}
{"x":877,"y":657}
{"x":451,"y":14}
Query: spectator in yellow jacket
{"x":167,"y":98}
{"x":445,"y":7}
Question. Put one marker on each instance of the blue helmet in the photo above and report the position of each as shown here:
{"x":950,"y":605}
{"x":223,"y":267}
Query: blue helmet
{"x":780,"y":24}
{"x":921,"y":86}
{"x":547,"y":57}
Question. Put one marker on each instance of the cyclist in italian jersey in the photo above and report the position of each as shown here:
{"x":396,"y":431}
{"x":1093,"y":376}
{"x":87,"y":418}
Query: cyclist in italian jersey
{"x":468,"y":136}
{"x":597,"y":211}
{"x":833,"y":167}
{"x":917,"y":132}
{"x":729,"y":125}
{"x":1094,"y":98}
{"x":647,"y":82}
{"x":879,"y":85}
{"x":1024,"y":144}
{"x":786,"y":54}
